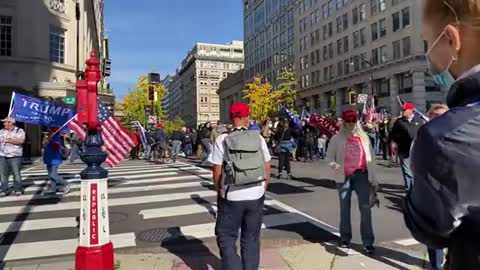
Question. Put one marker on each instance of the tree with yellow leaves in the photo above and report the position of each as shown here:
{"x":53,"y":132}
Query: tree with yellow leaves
{"x":135,"y":103}
{"x":263,"y":102}
{"x":288,"y":81}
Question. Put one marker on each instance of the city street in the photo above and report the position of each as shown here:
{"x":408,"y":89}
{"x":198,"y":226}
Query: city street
{"x":171,"y":208}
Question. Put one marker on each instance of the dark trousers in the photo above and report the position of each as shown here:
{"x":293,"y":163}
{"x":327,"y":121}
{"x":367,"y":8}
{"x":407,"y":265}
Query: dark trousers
{"x":309,"y":146}
{"x":384,"y":145}
{"x":435,"y":256}
{"x":235,"y":216}
{"x":284,"y":161}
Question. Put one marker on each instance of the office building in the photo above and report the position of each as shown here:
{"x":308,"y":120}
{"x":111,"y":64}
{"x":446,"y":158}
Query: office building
{"x":193,"y":90}
{"x":229,"y":92}
{"x":269,"y":38}
{"x":367,"y":46}
{"x":166,"y":82}
{"x":38,"y":50}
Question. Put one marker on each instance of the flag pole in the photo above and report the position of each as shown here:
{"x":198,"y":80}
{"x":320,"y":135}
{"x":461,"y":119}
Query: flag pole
{"x":64,"y":125}
{"x":10,"y":109}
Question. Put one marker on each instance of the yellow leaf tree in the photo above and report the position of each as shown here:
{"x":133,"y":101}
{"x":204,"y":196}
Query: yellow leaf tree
{"x":135,"y":103}
{"x":263,"y":102}
{"x":288,"y":81}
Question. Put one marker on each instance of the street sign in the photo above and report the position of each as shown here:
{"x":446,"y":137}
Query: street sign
{"x":362,"y":98}
{"x":152,"y":119}
{"x":69,"y":100}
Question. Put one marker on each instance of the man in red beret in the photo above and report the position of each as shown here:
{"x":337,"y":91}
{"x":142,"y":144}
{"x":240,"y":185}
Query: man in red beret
{"x":404,"y":131}
{"x":241,"y":173}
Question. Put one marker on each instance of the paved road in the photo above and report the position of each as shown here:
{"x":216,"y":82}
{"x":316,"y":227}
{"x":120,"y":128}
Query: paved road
{"x":152,"y":206}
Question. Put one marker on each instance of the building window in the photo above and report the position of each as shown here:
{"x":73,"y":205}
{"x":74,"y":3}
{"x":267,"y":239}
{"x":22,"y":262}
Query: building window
{"x":345,"y":21}
{"x":405,"y":17}
{"x":363,"y":12}
{"x":325,"y":32}
{"x":363,"y":63}
{"x":345,"y":44}
{"x":317,"y":15}
{"x":312,"y":39}
{"x":317,"y":36}
{"x":330,"y":50}
{"x":396,"y":50}
{"x":383,"y":54}
{"x":383,"y":5}
{"x":312,"y":58}
{"x":331,"y":71}
{"x":307,"y":82}
{"x":374,"y":6}
{"x":339,"y":47}
{"x":325,"y":73}
{"x":339,"y":4}
{"x":5,"y":36}
{"x":325,"y":53}
{"x":406,"y":46}
{"x":356,"y":39}
{"x":374,"y":31}
{"x":330,"y":29}
{"x":363,"y":37}
{"x":383,"y":27}
{"x":425,"y":46}
{"x":339,"y":24}
{"x":340,"y":68}
{"x":404,"y":82}
{"x":325,"y":11}
{"x":57,"y":45}
{"x":375,"y":56}
{"x":354,"y":15}
{"x":330,"y":7}
{"x":396,"y":21}
{"x":346,"y":66}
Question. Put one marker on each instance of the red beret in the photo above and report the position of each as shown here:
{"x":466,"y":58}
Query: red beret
{"x":349,"y":115}
{"x":407,"y":106}
{"x":239,"y":110}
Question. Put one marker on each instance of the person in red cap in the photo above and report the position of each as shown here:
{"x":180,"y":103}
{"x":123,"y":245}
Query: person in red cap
{"x":404,"y":131}
{"x":351,"y":157}
{"x":241,"y":173}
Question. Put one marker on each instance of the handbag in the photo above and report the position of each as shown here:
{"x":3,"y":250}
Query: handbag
{"x":277,"y":147}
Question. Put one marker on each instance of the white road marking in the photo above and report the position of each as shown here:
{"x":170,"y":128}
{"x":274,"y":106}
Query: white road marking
{"x":57,"y":247}
{"x":37,"y":224}
{"x":407,"y":242}
{"x":111,"y":190}
{"x":111,"y":202}
{"x":177,"y":211}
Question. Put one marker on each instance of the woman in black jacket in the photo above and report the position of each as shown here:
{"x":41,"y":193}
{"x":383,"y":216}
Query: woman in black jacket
{"x":284,"y":137}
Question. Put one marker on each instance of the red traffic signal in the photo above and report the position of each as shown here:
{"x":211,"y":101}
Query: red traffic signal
{"x":151,"y":93}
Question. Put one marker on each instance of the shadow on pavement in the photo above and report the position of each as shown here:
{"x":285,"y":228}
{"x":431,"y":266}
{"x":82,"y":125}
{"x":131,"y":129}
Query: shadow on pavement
{"x":285,"y":188}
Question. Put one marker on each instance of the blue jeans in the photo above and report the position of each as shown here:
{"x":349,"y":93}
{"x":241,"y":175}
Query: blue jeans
{"x":54,"y":177}
{"x":188,"y":149}
{"x":435,"y":257}
{"x":75,"y":153}
{"x":177,"y":146}
{"x":358,"y":182}
{"x":207,"y":148}
{"x":407,"y":174}
{"x":12,"y":164}
{"x":147,"y":152}
{"x":235,"y":216}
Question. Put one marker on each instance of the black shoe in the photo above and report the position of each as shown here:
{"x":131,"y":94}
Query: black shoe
{"x":344,"y":244}
{"x":369,"y":249}
{"x":290,"y":177}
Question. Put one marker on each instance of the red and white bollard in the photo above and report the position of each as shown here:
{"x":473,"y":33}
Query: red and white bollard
{"x":95,"y":251}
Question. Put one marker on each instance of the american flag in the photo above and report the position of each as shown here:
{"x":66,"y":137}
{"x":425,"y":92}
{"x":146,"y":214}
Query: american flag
{"x":117,"y":142}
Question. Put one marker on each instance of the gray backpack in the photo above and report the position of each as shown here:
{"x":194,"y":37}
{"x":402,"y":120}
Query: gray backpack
{"x":245,"y":163}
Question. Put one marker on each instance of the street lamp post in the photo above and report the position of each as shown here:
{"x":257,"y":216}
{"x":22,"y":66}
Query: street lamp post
{"x":77,"y":17}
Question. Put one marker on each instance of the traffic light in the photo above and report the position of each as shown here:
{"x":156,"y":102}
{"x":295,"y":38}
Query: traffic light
{"x":151,"y":93}
{"x":375,"y":100}
{"x":352,"y":98}
{"x":106,"y":67}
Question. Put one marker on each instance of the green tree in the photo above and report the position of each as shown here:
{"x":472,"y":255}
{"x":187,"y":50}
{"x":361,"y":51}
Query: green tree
{"x":135,"y":103}
{"x":263,"y":102}
{"x":288,"y":81}
{"x":170,"y":126}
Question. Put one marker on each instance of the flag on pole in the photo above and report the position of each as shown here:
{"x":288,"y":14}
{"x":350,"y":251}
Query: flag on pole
{"x":294,"y":117}
{"x":117,"y":141}
{"x":417,"y":112}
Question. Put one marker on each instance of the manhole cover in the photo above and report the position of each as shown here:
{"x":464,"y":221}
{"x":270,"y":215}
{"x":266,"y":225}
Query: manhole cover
{"x":160,"y":234}
{"x":117,"y":217}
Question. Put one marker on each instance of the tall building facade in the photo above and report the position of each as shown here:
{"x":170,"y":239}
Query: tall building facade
{"x":166,"y":82}
{"x":366,"y":46}
{"x":229,"y":92}
{"x":193,"y":89}
{"x":269,"y":37}
{"x":38,"y":49}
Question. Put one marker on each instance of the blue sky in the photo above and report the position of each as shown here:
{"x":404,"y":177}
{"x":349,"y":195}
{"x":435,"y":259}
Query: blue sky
{"x":146,"y":34}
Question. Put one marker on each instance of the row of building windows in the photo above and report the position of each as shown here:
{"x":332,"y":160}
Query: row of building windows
{"x":378,"y":30}
{"x":354,"y":63}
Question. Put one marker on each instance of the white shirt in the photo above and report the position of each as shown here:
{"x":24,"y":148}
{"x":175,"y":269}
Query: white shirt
{"x":9,"y":149}
{"x":237,"y":193}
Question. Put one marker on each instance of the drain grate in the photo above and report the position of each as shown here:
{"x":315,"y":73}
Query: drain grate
{"x":160,"y":234}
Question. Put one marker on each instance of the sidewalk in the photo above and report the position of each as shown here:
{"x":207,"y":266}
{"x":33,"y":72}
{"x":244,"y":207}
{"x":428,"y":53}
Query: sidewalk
{"x":300,"y":257}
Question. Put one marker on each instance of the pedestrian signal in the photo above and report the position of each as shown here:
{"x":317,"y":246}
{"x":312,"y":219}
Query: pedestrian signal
{"x":151,"y":93}
{"x":352,"y":98}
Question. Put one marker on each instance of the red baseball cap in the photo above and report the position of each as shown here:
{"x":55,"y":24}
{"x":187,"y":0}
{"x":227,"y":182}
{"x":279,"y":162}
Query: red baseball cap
{"x":239,"y":110}
{"x":407,"y":106}
{"x":349,"y":115}
{"x":159,"y":125}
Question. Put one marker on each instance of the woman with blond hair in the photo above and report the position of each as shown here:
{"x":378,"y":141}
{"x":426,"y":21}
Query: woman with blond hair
{"x":352,"y":158}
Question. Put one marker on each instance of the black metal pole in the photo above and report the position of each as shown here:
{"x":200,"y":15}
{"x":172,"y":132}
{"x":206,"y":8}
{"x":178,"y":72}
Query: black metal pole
{"x":77,"y":15}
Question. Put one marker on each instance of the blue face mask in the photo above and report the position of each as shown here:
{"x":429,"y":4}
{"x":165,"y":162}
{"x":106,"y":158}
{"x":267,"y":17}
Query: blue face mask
{"x":442,"y":78}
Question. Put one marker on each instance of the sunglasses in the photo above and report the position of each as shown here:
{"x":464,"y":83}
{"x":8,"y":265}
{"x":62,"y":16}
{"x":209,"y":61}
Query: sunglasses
{"x":350,"y":121}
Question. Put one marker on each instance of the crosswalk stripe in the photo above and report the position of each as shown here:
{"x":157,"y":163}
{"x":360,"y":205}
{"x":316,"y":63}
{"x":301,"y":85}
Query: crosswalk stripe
{"x":177,"y":211}
{"x":43,"y":168}
{"x":57,"y":247}
{"x":37,"y":224}
{"x":208,"y":229}
{"x":114,"y":190}
{"x":111,"y":202}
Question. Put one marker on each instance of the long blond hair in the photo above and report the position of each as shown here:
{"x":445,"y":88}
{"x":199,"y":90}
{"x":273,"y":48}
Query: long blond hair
{"x":356,"y":131}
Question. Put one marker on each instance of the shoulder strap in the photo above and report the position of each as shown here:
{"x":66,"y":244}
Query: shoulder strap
{"x":283,"y":134}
